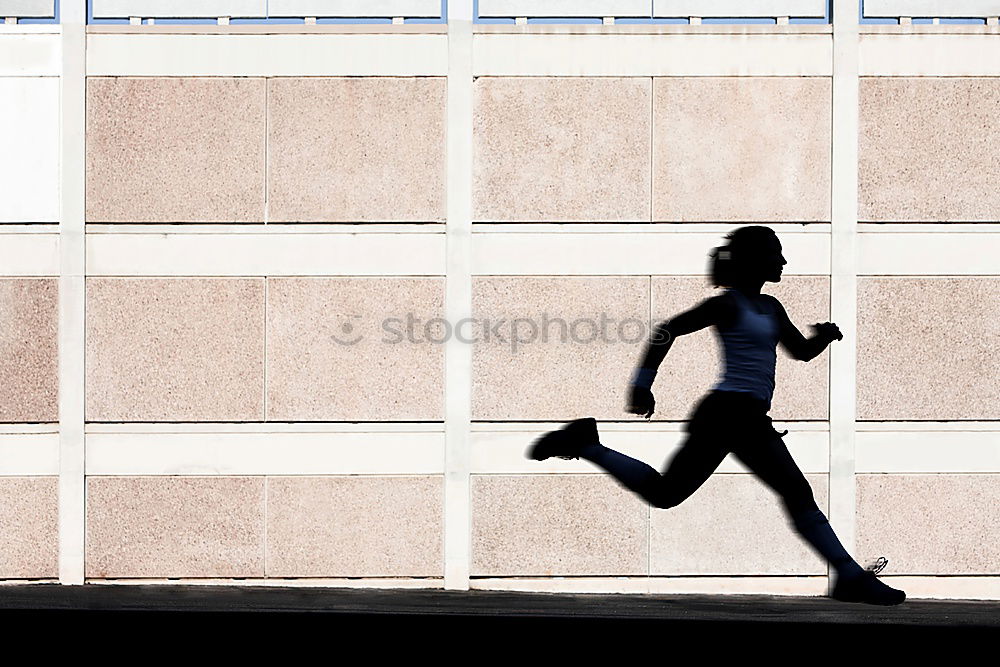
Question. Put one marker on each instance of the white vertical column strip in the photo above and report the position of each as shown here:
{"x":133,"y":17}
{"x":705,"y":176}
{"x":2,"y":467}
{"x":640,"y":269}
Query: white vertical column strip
{"x":843,"y":269}
{"x":72,"y":260}
{"x":458,"y":299}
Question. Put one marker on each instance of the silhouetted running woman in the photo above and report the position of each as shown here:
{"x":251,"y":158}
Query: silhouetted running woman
{"x":733,"y":416}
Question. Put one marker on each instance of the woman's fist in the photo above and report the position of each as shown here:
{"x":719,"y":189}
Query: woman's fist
{"x":641,"y":401}
{"x":828,"y":329}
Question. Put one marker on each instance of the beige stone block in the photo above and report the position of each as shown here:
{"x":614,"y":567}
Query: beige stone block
{"x":355,"y":526}
{"x":556,"y":525}
{"x":930,"y":524}
{"x":355,"y":349}
{"x":29,"y":526}
{"x":356,"y":149}
{"x":741,"y":149}
{"x":175,"y":149}
{"x":175,"y":349}
{"x":175,"y":527}
{"x":29,"y":350}
{"x":561,"y":149}
{"x":733,"y":525}
{"x":927,"y":149}
{"x":694,"y":363}
{"x":551,"y":347}
{"x":928,"y":348}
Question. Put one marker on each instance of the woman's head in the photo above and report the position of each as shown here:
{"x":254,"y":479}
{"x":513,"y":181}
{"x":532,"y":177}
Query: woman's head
{"x":752,"y":254}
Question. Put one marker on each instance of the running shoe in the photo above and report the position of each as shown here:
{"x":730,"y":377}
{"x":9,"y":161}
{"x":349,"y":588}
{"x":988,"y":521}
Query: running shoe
{"x":565,"y":443}
{"x":867,"y":588}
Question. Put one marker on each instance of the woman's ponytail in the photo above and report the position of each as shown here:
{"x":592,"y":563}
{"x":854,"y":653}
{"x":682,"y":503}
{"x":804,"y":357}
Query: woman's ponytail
{"x":721,"y":266}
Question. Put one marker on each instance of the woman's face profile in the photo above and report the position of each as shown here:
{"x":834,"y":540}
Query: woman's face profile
{"x":772,"y":261}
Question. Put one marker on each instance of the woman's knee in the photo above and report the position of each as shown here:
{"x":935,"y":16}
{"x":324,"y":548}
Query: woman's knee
{"x":801,"y":501}
{"x":665,"y":498}
{"x":663,"y":503}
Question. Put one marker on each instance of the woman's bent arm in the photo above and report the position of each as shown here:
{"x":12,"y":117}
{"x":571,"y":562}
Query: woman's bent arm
{"x":712,"y":311}
{"x":800,"y":347}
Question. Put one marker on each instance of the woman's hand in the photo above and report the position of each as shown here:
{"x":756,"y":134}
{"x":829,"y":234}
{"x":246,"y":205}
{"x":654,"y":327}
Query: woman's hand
{"x":641,"y":401}
{"x":829,"y":330}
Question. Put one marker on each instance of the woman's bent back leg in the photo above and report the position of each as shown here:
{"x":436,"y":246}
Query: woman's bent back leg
{"x":690,"y":466}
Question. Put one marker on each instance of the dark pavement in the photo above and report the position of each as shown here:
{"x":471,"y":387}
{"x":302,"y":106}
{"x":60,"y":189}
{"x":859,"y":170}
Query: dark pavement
{"x":416,"y":612}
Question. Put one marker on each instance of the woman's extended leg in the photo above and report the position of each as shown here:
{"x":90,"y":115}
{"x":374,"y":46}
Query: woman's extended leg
{"x":772,"y":463}
{"x":690,"y":466}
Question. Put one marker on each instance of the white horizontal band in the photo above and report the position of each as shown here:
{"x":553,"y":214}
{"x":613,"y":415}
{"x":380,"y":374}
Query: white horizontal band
{"x":293,"y":253}
{"x":25,"y":54}
{"x":415,"y":453}
{"x":509,"y":249}
{"x":504,"y":452}
{"x":418,"y":448}
{"x":29,"y":250}
{"x":652,"y":55}
{"x":550,"y":250}
{"x":929,"y":55}
{"x":30,"y":28}
{"x":928,"y":451}
{"x":30,"y":453}
{"x":929,"y":253}
{"x":322,"y":54}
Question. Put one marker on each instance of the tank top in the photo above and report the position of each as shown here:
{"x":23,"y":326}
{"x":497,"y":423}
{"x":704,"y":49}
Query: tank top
{"x":749,"y":345}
